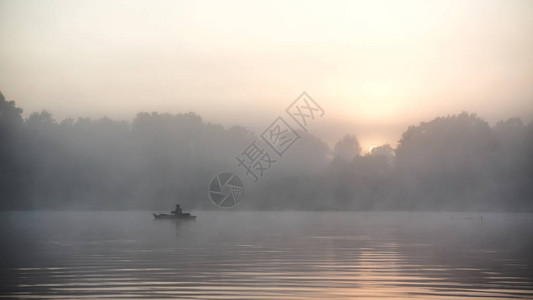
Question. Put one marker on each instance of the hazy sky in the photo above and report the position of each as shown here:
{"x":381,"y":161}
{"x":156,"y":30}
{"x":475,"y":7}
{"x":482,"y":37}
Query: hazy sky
{"x":374,"y":66}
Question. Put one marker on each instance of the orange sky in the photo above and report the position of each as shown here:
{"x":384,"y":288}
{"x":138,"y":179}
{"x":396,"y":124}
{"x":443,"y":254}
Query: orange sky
{"x":374,"y":66}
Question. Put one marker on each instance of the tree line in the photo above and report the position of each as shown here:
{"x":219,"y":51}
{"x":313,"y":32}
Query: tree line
{"x":455,"y":162}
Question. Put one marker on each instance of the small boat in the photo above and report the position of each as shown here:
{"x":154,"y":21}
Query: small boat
{"x":184,"y":216}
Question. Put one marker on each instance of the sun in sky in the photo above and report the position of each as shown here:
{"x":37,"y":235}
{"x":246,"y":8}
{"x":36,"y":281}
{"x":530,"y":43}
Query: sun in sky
{"x":375,"y":67}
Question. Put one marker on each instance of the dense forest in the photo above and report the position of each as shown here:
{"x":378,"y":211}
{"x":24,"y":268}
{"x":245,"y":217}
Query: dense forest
{"x":455,"y":162}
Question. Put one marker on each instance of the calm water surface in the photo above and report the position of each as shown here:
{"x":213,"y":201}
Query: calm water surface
{"x":266,"y":255}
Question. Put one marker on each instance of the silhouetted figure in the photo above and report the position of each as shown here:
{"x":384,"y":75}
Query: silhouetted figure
{"x":178,"y":210}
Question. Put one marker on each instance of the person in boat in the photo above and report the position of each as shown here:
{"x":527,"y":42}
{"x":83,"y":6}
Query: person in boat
{"x":178,"y":210}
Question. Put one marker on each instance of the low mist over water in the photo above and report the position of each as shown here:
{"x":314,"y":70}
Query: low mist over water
{"x":267,"y":255}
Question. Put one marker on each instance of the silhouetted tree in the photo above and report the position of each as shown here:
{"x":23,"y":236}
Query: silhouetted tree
{"x":12,"y":165}
{"x":347,"y":148}
{"x":444,"y":163}
{"x":456,"y":162}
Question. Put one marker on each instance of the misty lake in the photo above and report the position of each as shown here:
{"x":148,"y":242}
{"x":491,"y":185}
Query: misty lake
{"x":266,"y":255}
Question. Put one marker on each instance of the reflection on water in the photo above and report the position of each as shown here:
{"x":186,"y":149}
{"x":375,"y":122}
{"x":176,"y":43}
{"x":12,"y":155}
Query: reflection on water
{"x":265,"y":255}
